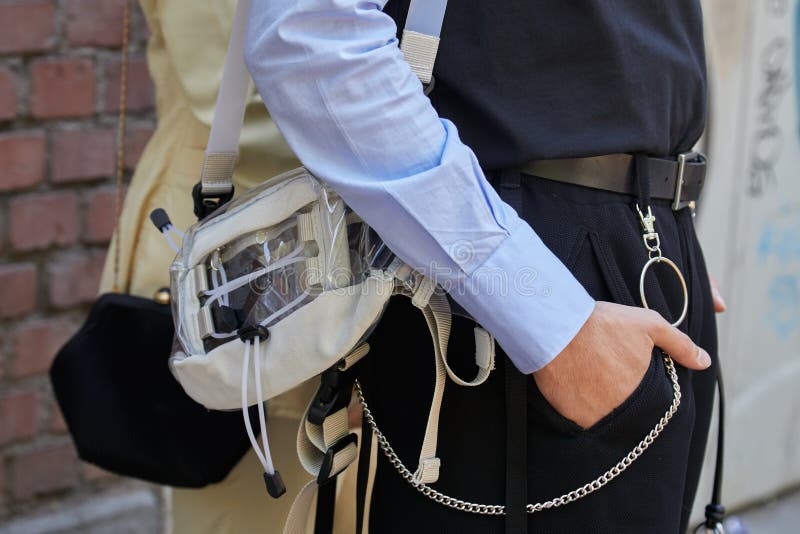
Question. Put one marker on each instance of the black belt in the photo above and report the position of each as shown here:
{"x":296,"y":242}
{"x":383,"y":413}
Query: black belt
{"x":679,"y":180}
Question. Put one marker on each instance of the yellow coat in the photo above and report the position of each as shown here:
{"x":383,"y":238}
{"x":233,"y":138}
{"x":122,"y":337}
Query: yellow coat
{"x":185,"y":56}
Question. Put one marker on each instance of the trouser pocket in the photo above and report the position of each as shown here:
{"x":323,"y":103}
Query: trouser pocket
{"x":592,"y":263}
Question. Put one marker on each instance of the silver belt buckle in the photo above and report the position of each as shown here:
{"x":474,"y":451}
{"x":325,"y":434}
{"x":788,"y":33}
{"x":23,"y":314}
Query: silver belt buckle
{"x":677,"y":204}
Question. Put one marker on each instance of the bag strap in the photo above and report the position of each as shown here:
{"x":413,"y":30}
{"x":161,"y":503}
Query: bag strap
{"x":420,"y":44}
{"x":120,"y":156}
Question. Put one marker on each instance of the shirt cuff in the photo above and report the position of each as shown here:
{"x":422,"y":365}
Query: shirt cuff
{"x":526,"y":298}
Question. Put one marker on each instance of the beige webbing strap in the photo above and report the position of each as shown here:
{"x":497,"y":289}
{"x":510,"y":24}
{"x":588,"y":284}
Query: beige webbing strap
{"x":436,"y":310}
{"x":419,"y":51}
{"x":437,"y":316}
{"x":216,"y":176}
{"x":313,"y":442}
{"x":423,"y":27}
{"x":300,"y":511}
{"x":373,"y":467}
{"x":484,"y":359}
{"x":217,"y":172}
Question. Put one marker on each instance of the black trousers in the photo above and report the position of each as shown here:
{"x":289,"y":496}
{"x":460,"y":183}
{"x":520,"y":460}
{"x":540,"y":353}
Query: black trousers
{"x":598,"y":236}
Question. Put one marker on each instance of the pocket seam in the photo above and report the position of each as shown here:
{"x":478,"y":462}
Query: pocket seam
{"x":610,"y":271}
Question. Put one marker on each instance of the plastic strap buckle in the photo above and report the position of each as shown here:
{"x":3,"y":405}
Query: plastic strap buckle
{"x":206,"y":203}
{"x":326,"y":470}
{"x":326,"y":396}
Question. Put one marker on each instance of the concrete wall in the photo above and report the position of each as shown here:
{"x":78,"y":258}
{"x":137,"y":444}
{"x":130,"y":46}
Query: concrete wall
{"x":749,"y":223}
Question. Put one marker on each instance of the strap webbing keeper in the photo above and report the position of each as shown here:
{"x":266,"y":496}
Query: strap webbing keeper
{"x":420,"y":51}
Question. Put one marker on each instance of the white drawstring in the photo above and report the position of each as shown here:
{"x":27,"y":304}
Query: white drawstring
{"x":262,"y":420}
{"x":218,"y":279}
{"x":230,"y":286}
{"x":300,"y":298}
{"x":174,"y":230}
{"x":172,"y":244}
{"x":264,"y":457}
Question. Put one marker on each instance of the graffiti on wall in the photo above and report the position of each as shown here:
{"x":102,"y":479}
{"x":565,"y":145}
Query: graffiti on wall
{"x":779,"y":247}
{"x":776,"y":80}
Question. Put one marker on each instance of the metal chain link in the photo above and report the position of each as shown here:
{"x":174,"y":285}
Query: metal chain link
{"x":498,"y":509}
{"x":120,"y":163}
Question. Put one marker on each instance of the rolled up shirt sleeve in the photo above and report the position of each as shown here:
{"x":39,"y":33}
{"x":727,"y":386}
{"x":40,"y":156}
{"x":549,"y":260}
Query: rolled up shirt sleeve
{"x":337,"y":86}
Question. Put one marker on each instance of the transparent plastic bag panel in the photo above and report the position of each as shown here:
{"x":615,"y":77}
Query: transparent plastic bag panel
{"x":259,"y":276}
{"x":262,"y":277}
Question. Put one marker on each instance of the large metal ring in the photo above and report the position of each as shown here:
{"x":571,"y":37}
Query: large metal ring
{"x":659,"y":259}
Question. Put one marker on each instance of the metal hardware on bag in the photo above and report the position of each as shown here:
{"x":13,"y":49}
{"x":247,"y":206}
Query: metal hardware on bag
{"x":650,"y":234}
{"x":652,"y":243}
{"x":216,"y":260}
{"x":682,"y":160}
{"x":499,"y":509}
{"x":162,"y":296}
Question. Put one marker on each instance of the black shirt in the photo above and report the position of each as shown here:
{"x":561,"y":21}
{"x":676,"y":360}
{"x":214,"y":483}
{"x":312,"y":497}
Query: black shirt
{"x":543,"y":79}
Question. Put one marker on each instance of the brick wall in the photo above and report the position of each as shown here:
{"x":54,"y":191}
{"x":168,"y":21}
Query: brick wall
{"x":59,"y":83}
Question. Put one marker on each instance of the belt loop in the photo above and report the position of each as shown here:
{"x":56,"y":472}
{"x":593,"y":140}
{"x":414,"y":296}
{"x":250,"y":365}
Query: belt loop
{"x":642,"y":179}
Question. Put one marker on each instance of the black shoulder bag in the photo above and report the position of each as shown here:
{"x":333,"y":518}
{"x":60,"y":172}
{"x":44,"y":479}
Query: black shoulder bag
{"x":124,"y":409}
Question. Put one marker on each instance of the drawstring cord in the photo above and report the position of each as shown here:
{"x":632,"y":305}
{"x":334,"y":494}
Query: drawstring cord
{"x":218,"y":292}
{"x":293,"y":304}
{"x":272,"y":478}
{"x":161,"y":221}
{"x":264,"y":455}
{"x":166,"y":230}
{"x":220,"y":278}
{"x":715,"y":511}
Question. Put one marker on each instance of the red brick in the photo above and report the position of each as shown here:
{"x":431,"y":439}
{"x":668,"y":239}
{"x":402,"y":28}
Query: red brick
{"x":44,"y":471}
{"x":135,"y":141}
{"x":26,"y":26}
{"x":99,"y":222}
{"x":18,"y":289}
{"x":75,"y":278}
{"x":19,"y":416}
{"x":94,"y":22}
{"x":141,"y":92}
{"x":22,"y":156}
{"x":36,"y":343}
{"x":40,"y":220}
{"x":8,"y":95}
{"x":82,"y":154}
{"x":62,"y":88}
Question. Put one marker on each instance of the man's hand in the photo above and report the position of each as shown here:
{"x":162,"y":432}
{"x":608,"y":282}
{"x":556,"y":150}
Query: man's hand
{"x":716,"y":295}
{"x":606,"y":360}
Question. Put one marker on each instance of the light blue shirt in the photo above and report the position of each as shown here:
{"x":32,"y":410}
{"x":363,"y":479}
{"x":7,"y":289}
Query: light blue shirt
{"x":338,"y":88}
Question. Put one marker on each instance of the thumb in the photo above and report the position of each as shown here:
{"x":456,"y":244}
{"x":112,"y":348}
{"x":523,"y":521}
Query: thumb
{"x":678,"y":345}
